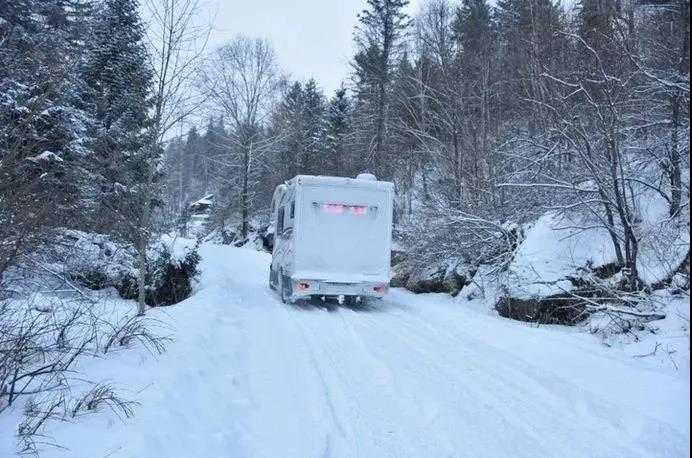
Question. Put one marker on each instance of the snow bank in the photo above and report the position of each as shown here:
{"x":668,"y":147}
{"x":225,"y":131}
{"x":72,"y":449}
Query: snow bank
{"x":552,"y":249}
{"x":557,"y":247}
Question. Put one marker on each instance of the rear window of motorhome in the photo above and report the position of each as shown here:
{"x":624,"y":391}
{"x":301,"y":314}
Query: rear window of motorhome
{"x":280,"y":221}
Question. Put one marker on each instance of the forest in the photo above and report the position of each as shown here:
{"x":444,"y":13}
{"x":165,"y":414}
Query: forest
{"x":484,"y":116}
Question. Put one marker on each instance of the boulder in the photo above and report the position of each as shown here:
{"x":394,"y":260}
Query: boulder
{"x":558,"y":309}
{"x":427,"y":280}
{"x":454,"y":282}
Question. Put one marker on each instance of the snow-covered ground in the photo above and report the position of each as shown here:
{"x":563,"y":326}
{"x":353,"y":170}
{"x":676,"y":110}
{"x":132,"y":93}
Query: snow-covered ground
{"x":413,"y":376}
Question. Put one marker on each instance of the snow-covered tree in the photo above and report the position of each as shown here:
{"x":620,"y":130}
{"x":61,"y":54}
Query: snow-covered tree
{"x":338,"y":135}
{"x":119,"y":93}
{"x":42,"y":122}
{"x":242,"y":79}
{"x":126,"y":152}
{"x":381,"y":41}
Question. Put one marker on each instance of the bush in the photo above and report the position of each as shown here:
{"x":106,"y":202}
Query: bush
{"x":97,"y":261}
{"x":170,"y":280}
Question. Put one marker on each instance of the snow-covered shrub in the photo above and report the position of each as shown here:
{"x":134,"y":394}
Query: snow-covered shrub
{"x":95,"y":261}
{"x":445,"y":247}
{"x":171,"y":278}
{"x":98,"y":261}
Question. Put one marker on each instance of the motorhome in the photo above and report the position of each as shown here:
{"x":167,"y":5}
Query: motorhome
{"x":332,"y":238}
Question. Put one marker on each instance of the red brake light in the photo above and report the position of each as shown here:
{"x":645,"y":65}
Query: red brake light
{"x":379,"y":288}
{"x":356,"y":210}
{"x":332,"y":208}
{"x":303,"y":286}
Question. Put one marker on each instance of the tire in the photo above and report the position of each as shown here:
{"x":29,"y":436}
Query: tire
{"x":272,"y":286}
{"x":283,"y":290}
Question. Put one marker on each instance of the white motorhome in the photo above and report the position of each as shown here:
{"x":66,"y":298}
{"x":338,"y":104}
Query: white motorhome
{"x":332,"y":238}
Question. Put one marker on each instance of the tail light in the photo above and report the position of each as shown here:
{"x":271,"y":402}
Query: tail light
{"x":303,"y":286}
{"x":332,"y":208}
{"x":379,"y":288}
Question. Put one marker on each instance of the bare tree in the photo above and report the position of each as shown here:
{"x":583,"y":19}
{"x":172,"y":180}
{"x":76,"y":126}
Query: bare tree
{"x":592,"y":109}
{"x":242,"y":79}
{"x":663,"y":57}
{"x":176,"y":44}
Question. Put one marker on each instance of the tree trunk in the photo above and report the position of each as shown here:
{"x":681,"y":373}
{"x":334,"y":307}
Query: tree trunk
{"x":244,"y":197}
{"x":142,"y":277}
{"x":675,"y":172}
{"x":143,"y":231}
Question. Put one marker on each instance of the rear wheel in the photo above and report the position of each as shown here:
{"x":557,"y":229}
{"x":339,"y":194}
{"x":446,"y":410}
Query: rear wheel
{"x":271,"y":279}
{"x":283,"y":289}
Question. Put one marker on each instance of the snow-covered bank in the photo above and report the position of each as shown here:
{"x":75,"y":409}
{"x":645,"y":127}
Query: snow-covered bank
{"x":417,"y":375}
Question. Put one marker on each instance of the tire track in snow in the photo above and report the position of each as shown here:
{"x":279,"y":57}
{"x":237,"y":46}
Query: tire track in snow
{"x":515,"y":378}
{"x":442,"y":389}
{"x":372,"y":404}
{"x":326,"y":391}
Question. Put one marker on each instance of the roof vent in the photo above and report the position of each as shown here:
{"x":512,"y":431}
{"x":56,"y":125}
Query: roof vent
{"x":366,"y":177}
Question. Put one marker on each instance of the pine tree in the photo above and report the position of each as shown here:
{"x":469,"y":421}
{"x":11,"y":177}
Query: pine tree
{"x":475,"y":34}
{"x":175,"y":169}
{"x":194,"y":160}
{"x":598,"y":24}
{"x":532,"y":41}
{"x":312,"y":120}
{"x":288,"y":124}
{"x":338,"y":133}
{"x":477,"y":52}
{"x":380,"y":38}
{"x":127,"y":146}
{"x":42,"y":122}
{"x":118,"y":84}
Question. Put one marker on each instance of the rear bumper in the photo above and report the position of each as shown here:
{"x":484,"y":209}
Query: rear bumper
{"x":307,"y":287}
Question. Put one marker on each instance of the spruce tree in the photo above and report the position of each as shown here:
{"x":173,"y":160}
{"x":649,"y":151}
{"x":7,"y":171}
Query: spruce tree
{"x":118,"y":86}
{"x":338,"y":132}
{"x":380,"y":39}
{"x":127,"y":150}
{"x":289,"y":127}
{"x":312,"y":119}
{"x":532,"y":43}
{"x":42,"y":122}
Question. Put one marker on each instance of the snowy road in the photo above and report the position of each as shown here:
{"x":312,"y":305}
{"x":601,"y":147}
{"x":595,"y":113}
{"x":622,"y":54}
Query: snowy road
{"x":419,"y":376}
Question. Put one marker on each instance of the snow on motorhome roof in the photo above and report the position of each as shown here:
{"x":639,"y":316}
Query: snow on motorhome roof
{"x":339,"y":181}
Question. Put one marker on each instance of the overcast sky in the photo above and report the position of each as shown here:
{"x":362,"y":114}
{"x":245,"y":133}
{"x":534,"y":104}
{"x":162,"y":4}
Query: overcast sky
{"x":312,"y":38}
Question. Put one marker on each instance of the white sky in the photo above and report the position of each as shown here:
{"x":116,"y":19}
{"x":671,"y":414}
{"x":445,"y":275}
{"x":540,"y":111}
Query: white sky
{"x":312,"y":38}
